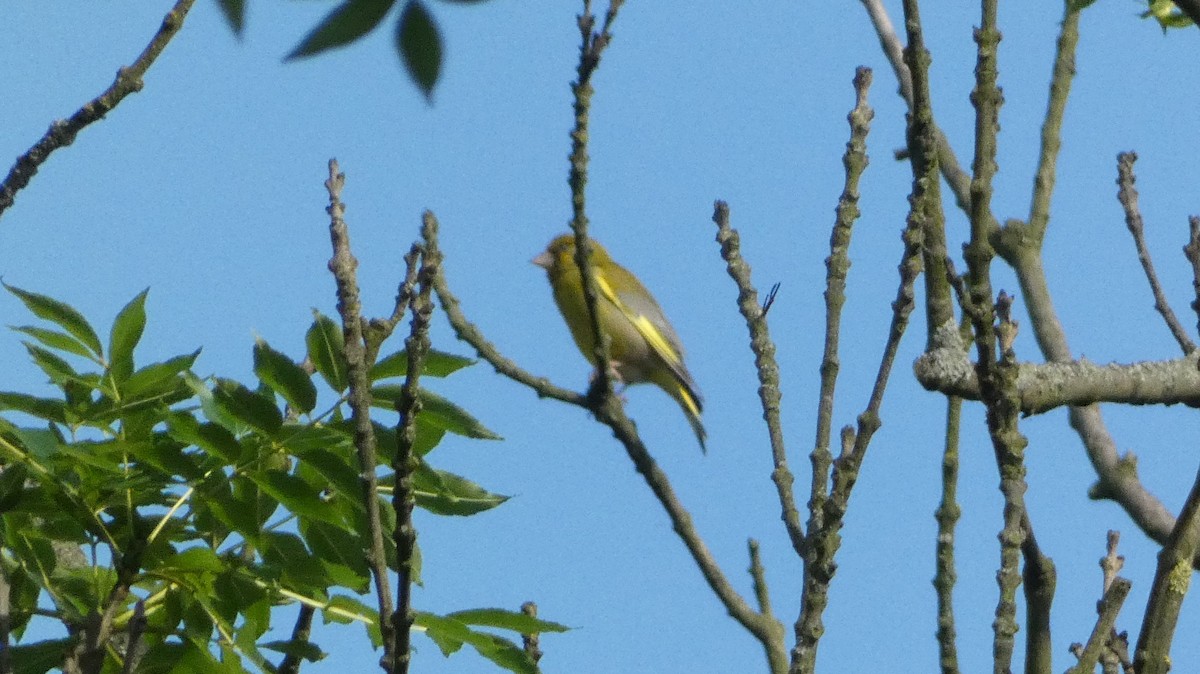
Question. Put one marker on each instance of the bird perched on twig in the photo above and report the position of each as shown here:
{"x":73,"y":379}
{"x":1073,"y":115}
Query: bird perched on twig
{"x":644,"y":346}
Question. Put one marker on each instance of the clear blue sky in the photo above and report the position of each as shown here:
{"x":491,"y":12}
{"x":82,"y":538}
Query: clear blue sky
{"x":207,"y":187}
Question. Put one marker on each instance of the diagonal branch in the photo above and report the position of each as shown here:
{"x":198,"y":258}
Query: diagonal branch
{"x":62,"y":133}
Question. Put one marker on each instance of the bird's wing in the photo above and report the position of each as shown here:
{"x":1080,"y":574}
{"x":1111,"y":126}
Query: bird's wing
{"x":638,"y":305}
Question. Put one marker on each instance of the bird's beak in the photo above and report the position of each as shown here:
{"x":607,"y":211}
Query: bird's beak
{"x":543,"y":260}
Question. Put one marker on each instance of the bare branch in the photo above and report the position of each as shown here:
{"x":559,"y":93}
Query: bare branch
{"x":1128,"y":196}
{"x":354,"y":350}
{"x":1041,"y":387}
{"x":404,"y":462}
{"x":1171,"y":581}
{"x":62,"y":133}
{"x":1060,"y":90}
{"x":837,"y":266}
{"x":947,"y":516}
{"x":768,"y":371}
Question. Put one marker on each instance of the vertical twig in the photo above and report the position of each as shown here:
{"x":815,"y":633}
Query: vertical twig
{"x":758,"y":577}
{"x":135,"y":648}
{"x":530,"y":641}
{"x":1192,"y":252}
{"x":591,"y":48}
{"x":947,"y":515}
{"x":837,"y":266}
{"x":1040,"y":579}
{"x":889,"y":41}
{"x":344,"y":266}
{"x":1060,"y":90}
{"x":766,"y":367}
{"x":404,"y":462}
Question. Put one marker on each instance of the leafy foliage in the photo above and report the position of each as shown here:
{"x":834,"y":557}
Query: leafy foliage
{"x":205,"y":504}
{"x":418,"y":39}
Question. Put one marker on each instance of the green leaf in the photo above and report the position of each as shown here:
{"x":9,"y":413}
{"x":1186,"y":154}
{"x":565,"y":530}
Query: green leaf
{"x":325,"y":343}
{"x":42,"y":408}
{"x":507,"y":620}
{"x":126,"y":333}
{"x":295,"y":495}
{"x":345,"y":24}
{"x":58,"y":370}
{"x":302,"y":570}
{"x":335,"y":546}
{"x":437,"y":364}
{"x":55,"y":340}
{"x":42,"y":443}
{"x":193,"y":560}
{"x":235,"y":14}
{"x":12,"y":485}
{"x":159,"y":378}
{"x":340,"y":609}
{"x":336,"y":470}
{"x":306,"y":650}
{"x":212,"y":438}
{"x":38,"y":657}
{"x":435,"y":410}
{"x":450,"y":634}
{"x":284,"y":376}
{"x":444,"y":493}
{"x":63,"y":315}
{"x":247,"y":406}
{"x":419,"y":44}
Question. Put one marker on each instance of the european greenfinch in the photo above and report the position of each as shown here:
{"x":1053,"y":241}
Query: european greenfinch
{"x":644,"y":346}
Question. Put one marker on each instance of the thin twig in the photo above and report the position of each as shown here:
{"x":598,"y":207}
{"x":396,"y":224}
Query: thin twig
{"x":63,"y":133}
{"x":766,"y":367}
{"x":472,"y":335}
{"x":404,"y":462}
{"x":758,"y":576}
{"x":135,"y":648}
{"x":531,"y":642}
{"x":947,"y":515}
{"x":958,"y":180}
{"x":1060,"y":91}
{"x":768,"y":631}
{"x":591,"y":48}
{"x":837,"y":266}
{"x":823,"y":544}
{"x":344,"y":266}
{"x":1192,"y":253}
{"x":1128,"y":196}
{"x":997,"y":376}
{"x":1108,"y":608}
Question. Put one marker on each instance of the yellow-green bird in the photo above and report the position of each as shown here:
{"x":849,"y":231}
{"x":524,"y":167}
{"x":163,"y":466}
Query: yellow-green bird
{"x":644,"y":346}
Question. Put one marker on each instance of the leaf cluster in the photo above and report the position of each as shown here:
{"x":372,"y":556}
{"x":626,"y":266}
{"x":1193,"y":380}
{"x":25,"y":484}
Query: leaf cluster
{"x":416,"y":36}
{"x":197,"y":507}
